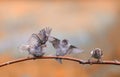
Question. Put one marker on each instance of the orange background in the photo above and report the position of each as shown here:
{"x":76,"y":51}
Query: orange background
{"x":87,"y":24}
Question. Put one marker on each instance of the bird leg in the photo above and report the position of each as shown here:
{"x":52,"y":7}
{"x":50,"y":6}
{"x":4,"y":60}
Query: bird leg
{"x":99,"y":60}
{"x":89,"y":60}
{"x":59,"y":60}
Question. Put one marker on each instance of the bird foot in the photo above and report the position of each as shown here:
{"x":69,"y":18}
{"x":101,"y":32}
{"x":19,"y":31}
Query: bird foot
{"x":99,"y":61}
{"x":90,"y":61}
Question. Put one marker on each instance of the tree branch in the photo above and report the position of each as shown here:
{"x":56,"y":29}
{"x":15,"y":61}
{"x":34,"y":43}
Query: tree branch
{"x":64,"y":58}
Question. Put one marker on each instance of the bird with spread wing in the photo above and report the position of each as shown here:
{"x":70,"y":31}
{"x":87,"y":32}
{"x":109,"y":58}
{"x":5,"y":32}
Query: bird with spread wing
{"x":63,"y":47}
{"x":37,"y":42}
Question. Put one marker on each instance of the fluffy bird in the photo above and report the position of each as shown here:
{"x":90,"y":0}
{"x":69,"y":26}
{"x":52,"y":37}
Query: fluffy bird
{"x":97,"y":54}
{"x":63,"y":47}
{"x":37,"y":42}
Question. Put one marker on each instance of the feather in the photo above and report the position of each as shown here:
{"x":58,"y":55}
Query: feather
{"x":24,"y":48}
{"x":55,"y":42}
{"x":73,"y":50}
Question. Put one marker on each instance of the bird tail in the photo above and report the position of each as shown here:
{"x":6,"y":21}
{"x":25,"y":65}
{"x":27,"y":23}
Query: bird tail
{"x":59,"y":60}
{"x":23,"y":48}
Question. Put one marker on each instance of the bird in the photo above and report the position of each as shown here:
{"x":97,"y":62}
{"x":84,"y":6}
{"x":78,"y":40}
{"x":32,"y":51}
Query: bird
{"x":37,"y":42}
{"x":96,"y":53}
{"x":63,"y":47}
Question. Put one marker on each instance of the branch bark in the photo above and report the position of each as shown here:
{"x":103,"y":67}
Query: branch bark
{"x":64,"y":58}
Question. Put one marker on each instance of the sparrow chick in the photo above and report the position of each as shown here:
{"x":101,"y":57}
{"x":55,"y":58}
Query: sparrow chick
{"x":37,"y":42}
{"x":63,"y":47}
{"x":97,"y":54}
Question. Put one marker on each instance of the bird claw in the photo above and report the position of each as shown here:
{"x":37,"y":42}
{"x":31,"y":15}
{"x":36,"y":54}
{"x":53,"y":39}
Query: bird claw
{"x":34,"y":58}
{"x":99,"y":61}
{"x":90,"y":61}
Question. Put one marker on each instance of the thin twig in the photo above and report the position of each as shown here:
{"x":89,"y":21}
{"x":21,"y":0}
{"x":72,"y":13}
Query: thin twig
{"x":64,"y":58}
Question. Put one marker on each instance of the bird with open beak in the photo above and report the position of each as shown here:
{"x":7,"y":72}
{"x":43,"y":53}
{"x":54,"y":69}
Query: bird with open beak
{"x":63,"y":47}
{"x":97,"y":54}
{"x":37,"y":42}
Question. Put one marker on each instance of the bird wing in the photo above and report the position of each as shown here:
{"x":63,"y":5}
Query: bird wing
{"x":73,"y":50}
{"x":34,"y":40}
{"x":55,"y":42}
{"x":44,"y":34}
{"x":48,"y":31}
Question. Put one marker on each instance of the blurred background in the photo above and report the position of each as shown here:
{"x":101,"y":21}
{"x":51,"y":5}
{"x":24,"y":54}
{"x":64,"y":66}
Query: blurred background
{"x":87,"y":24}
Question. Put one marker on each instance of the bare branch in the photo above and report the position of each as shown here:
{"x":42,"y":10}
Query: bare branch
{"x":64,"y":58}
